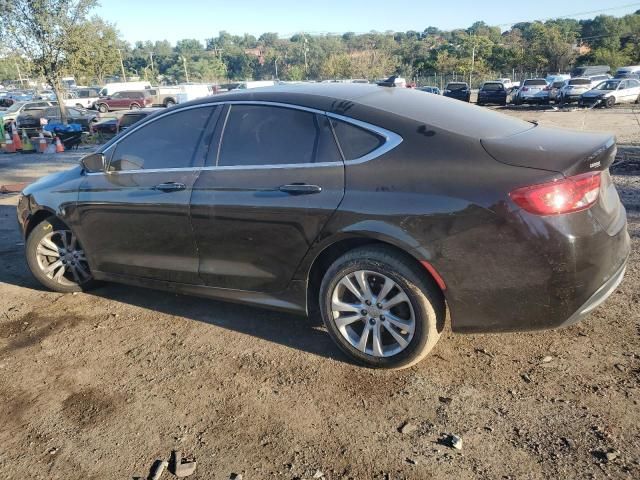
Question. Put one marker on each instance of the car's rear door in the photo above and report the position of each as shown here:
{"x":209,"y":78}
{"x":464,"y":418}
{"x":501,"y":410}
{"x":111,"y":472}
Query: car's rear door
{"x":257,"y":208}
{"x":133,"y":219}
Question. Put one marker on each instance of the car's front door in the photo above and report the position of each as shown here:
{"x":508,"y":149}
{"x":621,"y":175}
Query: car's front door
{"x":259,"y":206}
{"x":133,"y":219}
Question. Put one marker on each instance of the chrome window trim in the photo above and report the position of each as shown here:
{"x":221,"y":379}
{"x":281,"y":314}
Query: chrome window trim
{"x":392,"y":140}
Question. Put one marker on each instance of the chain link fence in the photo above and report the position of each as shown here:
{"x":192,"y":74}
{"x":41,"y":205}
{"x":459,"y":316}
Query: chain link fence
{"x":475,"y":80}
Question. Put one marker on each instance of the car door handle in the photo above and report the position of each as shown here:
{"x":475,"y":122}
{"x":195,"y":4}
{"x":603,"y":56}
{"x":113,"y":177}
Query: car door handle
{"x":300,"y":189}
{"x":170,"y":187}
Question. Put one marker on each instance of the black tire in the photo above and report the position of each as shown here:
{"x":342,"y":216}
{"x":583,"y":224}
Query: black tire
{"x":610,"y":102}
{"x":134,"y":106}
{"x":40,"y":231}
{"x":103,"y":108}
{"x":169,"y":102}
{"x":637,"y":100}
{"x":426,"y":302}
{"x":480,"y":104}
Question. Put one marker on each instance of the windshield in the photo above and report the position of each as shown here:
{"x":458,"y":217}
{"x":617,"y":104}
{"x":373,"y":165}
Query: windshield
{"x":608,"y":85}
{"x":492,"y":86}
{"x":456,"y":86}
{"x":15,"y":107}
{"x":536,"y":82}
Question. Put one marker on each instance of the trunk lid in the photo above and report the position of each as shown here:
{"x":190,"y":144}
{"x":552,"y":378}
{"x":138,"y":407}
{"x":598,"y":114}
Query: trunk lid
{"x":568,"y":153}
{"x":563,"y":151}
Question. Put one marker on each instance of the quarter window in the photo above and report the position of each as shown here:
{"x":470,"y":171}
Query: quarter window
{"x":269,"y":135}
{"x":169,"y":142}
{"x":354,"y":141}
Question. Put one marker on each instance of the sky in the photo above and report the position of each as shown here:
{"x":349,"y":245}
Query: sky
{"x":177,"y":19}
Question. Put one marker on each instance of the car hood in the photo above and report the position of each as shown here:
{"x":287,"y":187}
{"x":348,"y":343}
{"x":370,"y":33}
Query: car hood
{"x":597,"y":93}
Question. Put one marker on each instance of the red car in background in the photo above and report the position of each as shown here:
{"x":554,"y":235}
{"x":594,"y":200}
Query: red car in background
{"x":125,"y":100}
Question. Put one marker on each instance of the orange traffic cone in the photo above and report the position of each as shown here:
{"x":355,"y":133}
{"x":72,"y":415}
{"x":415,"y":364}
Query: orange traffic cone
{"x":59,"y":146}
{"x":42,"y":143}
{"x":9,"y":147}
{"x":17,"y":143}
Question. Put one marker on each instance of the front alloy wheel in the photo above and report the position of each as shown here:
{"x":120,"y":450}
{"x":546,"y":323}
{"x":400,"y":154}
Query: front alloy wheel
{"x":381,"y":308}
{"x":56,"y":258}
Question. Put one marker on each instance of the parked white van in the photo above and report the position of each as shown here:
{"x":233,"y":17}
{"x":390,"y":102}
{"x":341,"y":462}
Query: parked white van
{"x":631,"y":69}
{"x":193,"y":91}
{"x":111,"y":88}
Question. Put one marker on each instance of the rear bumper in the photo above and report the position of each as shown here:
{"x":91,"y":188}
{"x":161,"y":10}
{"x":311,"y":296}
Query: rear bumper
{"x":547,"y":273}
{"x":598,"y":297}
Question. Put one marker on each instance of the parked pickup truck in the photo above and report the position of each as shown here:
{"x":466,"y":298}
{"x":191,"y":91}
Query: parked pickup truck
{"x":83,"y":98}
{"x":164,"y":96}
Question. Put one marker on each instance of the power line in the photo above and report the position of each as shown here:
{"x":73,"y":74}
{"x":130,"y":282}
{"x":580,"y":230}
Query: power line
{"x":571,"y":15}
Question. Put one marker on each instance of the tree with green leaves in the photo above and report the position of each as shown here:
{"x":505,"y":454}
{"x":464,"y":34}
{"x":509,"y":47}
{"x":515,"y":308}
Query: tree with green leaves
{"x":47,"y":32}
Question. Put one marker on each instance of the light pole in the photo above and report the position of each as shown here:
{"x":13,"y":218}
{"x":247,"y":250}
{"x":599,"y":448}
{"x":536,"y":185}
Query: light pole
{"x":152,"y":67}
{"x":275,"y":64}
{"x":186,"y":72}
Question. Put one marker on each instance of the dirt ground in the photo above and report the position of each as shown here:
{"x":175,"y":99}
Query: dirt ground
{"x":99,"y":385}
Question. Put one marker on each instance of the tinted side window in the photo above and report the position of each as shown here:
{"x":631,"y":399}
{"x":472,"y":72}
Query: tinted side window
{"x":265,"y":135}
{"x":169,"y":142}
{"x":354,"y":141}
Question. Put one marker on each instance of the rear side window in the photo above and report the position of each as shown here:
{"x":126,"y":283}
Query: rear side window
{"x":354,"y":141}
{"x":169,"y":142}
{"x":266,"y":135}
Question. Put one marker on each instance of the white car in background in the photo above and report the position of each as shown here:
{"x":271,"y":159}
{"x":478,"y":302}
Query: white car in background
{"x":575,"y":87}
{"x":533,"y":90}
{"x":610,"y":92}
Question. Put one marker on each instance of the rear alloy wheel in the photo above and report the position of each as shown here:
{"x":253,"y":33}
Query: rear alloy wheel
{"x":169,"y":102}
{"x":610,"y":102}
{"x":380,"y":308}
{"x":56,"y":258}
{"x":134,"y":106}
{"x":103,"y":108}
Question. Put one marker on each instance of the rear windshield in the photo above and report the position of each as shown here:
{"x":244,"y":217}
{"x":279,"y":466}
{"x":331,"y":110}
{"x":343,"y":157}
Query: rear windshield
{"x":558,"y":84}
{"x":457,"y":86}
{"x":580,"y":81}
{"x":534,"y":81}
{"x":130,"y":119}
{"x":492,"y":86}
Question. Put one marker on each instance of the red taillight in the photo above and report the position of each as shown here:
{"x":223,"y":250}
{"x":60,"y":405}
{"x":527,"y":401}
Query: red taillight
{"x":568,"y":195}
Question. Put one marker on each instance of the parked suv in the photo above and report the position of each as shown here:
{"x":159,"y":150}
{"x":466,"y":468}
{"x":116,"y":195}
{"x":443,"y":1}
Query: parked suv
{"x":125,"y":100}
{"x":492,"y":92}
{"x":458,"y":90}
{"x":533,"y":90}
{"x":378,"y":217}
{"x":83,"y":98}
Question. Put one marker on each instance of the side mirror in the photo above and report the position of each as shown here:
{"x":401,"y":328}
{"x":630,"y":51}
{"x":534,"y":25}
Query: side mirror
{"x":94,"y":162}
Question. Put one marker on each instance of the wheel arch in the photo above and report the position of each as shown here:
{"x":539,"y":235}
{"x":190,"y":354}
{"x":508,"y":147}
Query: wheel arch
{"x":333,"y":250}
{"x":37,"y":218}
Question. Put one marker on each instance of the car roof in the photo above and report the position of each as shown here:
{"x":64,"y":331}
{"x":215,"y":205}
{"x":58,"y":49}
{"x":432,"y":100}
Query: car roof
{"x":378,"y":105}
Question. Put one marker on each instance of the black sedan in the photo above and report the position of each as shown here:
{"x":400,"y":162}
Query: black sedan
{"x":492,"y":92}
{"x":377,"y":208}
{"x":458,"y":90}
{"x":31,"y":118}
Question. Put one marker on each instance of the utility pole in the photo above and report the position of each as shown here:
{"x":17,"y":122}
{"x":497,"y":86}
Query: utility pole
{"x":473,"y":62}
{"x":124,"y":75}
{"x":152,"y":67}
{"x":186,"y":72}
{"x":275,"y":64}
{"x":19,"y":75}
